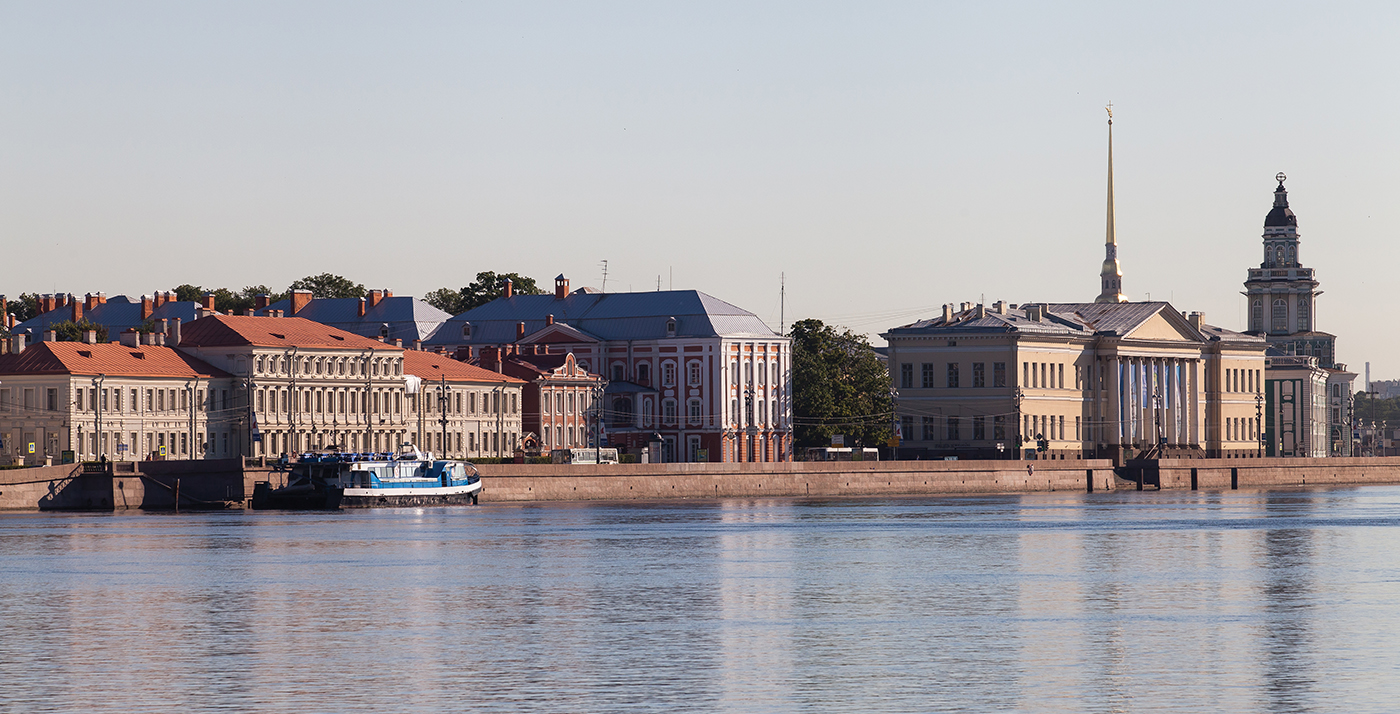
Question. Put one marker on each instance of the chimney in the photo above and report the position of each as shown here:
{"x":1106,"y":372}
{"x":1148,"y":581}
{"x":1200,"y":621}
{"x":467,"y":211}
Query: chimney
{"x":519,"y":330}
{"x":417,"y":345}
{"x":160,"y":339}
{"x":374,"y":297}
{"x":164,"y":326}
{"x":102,"y":298}
{"x":300,"y":299}
{"x":362,"y":307}
{"x":175,"y":332}
{"x":548,"y":320}
{"x":61,"y":300}
{"x":147,"y":307}
{"x":964,"y":307}
{"x":208,"y":301}
{"x":261,"y":301}
{"x":398,"y":342}
{"x":388,"y":293}
{"x":981,"y":310}
{"x":999,"y":307}
{"x":77,"y":311}
{"x":1035,"y":313}
{"x":463,"y":354}
{"x":380,"y":338}
{"x":90,"y":301}
{"x":4,"y":312}
{"x":50,"y":336}
{"x":1197,"y":319}
{"x":509,"y":288}
{"x":89,"y":337}
{"x":159,"y":298}
{"x":17,"y":343}
{"x":947,"y":312}
{"x":250,"y":313}
{"x":130,"y":337}
{"x":561,"y":287}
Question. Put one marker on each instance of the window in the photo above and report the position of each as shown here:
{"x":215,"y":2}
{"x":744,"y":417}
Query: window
{"x":694,"y":374}
{"x":1025,"y":374}
{"x":671,"y":327}
{"x":979,"y":375}
{"x":953,"y":429}
{"x":1303,"y":310}
{"x":1280,"y":316}
{"x":952,"y":374}
{"x":617,"y":372}
{"x":644,"y":373}
{"x":1060,"y":375}
{"x":906,"y":376}
{"x":695,"y":411}
{"x":668,"y":374}
{"x":734,"y":373}
{"x":998,"y":374}
{"x":1256,"y":312}
{"x":906,"y":427}
{"x":926,"y":370}
{"x":979,"y":428}
{"x":668,"y":411}
{"x":927,"y":428}
{"x":999,"y":428}
{"x":160,"y":400}
{"x":775,"y":374}
{"x":466,"y":330}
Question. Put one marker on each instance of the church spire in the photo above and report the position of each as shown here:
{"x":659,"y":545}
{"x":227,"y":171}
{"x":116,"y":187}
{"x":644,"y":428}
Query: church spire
{"x":1111,"y":276}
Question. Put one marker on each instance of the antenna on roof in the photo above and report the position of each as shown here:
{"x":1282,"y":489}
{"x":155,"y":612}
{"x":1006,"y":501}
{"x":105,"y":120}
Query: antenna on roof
{"x":605,"y":276}
{"x":782,"y":301}
{"x":658,"y":282}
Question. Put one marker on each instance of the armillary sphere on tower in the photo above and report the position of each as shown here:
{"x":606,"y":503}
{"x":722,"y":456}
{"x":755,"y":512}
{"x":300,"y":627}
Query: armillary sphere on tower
{"x":1281,"y":177}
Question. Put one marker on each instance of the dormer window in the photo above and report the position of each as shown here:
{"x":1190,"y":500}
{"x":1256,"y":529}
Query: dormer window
{"x":384,"y":330}
{"x":466,"y":330}
{"x":670,"y":327}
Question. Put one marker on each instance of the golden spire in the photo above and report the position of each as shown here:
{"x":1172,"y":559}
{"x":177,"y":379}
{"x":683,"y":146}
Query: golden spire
{"x":1111,"y":276}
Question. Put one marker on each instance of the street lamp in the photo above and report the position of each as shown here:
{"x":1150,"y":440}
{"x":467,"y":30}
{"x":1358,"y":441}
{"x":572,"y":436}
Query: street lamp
{"x":1259,"y":421}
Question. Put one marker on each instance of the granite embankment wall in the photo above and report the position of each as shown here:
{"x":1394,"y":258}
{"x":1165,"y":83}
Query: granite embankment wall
{"x":1209,"y":474}
{"x":150,"y":485}
{"x":544,"y":482}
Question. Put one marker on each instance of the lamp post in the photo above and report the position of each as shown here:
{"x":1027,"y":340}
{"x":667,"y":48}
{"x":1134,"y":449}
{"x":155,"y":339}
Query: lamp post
{"x":97,"y":397}
{"x":443,"y":400}
{"x":1259,"y":421}
{"x":750,"y":430}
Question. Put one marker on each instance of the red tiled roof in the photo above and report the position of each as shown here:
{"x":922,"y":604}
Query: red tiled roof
{"x":431,"y":367}
{"x":109,"y":358}
{"x":238,"y":330}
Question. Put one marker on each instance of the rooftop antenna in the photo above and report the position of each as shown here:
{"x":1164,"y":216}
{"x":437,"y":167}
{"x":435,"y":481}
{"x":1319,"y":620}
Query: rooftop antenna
{"x":605,"y":276}
{"x":672,"y":278}
{"x":658,"y":282}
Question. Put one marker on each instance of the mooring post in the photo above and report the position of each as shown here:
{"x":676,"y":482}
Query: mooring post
{"x":1089,"y":479}
{"x":1193,"y":479}
{"x":1234,"y":478}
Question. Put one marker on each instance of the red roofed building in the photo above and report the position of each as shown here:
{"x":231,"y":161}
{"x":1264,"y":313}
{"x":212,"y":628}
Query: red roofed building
{"x":466,"y":411}
{"x":122,"y":401}
{"x":558,"y":395}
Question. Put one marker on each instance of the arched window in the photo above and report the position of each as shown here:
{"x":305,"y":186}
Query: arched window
{"x":670,"y":327}
{"x":1303,"y":314}
{"x":668,"y":374}
{"x":1280,"y":316}
{"x":1291,"y":254}
{"x":1256,"y":319}
{"x":466,"y":330}
{"x":644,"y":373}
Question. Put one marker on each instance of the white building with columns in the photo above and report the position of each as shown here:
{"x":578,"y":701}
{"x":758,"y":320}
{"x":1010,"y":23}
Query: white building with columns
{"x":1094,"y":380}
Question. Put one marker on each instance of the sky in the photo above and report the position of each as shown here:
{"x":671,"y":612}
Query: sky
{"x":877,"y":159}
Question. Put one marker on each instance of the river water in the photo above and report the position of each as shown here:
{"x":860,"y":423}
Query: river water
{"x":1243,"y":601}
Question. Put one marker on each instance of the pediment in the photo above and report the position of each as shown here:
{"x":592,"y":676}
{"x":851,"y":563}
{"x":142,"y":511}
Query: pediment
{"x":1159,"y":327}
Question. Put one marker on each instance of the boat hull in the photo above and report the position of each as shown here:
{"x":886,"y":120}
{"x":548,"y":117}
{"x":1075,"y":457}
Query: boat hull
{"x":266,"y":498}
{"x":416,"y":496}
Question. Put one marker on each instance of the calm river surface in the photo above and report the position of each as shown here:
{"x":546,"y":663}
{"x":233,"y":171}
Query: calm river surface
{"x":1247,"y":601}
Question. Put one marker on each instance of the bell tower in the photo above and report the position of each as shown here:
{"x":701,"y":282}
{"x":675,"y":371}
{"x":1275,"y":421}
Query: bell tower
{"x":1282,"y":294}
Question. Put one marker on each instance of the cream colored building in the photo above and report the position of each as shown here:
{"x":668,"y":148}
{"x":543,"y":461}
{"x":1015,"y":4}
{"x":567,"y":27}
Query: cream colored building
{"x":303,"y":386}
{"x":1108,"y":380}
{"x":122,"y":401}
{"x":466,"y":411}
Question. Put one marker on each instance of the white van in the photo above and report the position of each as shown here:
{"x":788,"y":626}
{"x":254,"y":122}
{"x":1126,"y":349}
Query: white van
{"x":584,"y":456}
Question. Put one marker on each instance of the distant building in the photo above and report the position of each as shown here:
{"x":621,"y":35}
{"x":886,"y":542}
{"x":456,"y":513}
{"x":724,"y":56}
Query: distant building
{"x":1095,"y":380}
{"x":558,"y":393}
{"x":460,"y":409}
{"x":711,"y":379}
{"x":119,"y":400}
{"x":303,"y":386}
{"x":1309,"y":395}
{"x":117,"y":314}
{"x":381,"y":314}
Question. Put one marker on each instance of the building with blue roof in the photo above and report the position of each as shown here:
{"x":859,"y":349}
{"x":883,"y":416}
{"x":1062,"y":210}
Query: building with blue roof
{"x":703,"y":379}
{"x":117,"y":314}
{"x":380,"y":314}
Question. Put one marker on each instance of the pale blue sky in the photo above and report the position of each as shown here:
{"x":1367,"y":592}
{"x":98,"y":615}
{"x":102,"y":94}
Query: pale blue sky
{"x":889,"y":157}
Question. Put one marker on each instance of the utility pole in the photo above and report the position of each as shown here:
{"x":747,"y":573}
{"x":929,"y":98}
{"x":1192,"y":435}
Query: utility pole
{"x":97,"y":384}
{"x":289,"y":445}
{"x":367,"y":356}
{"x":443,"y":401}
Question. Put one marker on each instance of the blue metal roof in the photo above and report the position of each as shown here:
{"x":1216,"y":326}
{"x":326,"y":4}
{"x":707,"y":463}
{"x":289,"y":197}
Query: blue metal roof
{"x":408,"y":318}
{"x":118,"y":314}
{"x":607,"y":316}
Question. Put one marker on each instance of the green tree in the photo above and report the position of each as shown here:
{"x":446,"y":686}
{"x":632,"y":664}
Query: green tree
{"x":327,"y":285}
{"x":69,"y":331}
{"x":487,"y":287}
{"x":25,"y":307}
{"x":839,"y":386}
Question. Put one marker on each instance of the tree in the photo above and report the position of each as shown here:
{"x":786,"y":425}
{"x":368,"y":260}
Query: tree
{"x":487,"y":287}
{"x":327,"y":285}
{"x":228,"y":301}
{"x":839,"y":386}
{"x":69,"y":331}
{"x":25,"y":308}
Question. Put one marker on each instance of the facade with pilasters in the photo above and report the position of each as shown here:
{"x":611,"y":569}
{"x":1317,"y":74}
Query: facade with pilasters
{"x":1100,"y":380}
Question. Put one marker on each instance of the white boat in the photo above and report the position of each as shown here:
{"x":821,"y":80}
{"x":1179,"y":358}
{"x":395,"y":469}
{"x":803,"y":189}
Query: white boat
{"x":407,"y":478}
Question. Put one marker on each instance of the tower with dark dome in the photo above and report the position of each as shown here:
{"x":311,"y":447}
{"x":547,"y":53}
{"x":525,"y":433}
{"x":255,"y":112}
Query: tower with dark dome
{"x":1282,"y":293}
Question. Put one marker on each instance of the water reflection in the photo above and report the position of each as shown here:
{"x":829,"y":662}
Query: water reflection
{"x":1170,"y":601}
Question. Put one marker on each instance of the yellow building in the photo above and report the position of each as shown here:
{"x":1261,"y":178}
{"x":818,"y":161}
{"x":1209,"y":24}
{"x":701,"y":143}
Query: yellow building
{"x":1092,"y":380}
